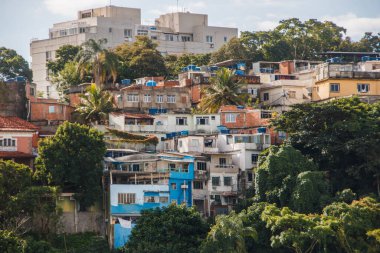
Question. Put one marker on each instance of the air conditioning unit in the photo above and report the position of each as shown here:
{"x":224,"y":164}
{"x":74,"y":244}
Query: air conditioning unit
{"x":212,"y":45}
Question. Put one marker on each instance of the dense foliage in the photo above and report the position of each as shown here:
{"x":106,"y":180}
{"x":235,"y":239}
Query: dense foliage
{"x":13,"y":64}
{"x":140,"y":59}
{"x":72,"y":159}
{"x":172,"y":229}
{"x":342,"y":137}
{"x":287,"y":178}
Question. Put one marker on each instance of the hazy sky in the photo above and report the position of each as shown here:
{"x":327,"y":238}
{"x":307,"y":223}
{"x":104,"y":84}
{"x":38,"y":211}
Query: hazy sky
{"x":22,"y":20}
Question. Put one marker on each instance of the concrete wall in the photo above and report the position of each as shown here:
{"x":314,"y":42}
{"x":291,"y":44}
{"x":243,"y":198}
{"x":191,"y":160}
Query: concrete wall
{"x":13,"y":99}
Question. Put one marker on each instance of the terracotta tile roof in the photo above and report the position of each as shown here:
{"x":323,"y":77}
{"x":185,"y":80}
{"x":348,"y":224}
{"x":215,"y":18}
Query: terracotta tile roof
{"x":16,"y":124}
{"x":15,"y":154}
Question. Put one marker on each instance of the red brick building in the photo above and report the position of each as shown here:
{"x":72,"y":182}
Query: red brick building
{"x":247,"y":120}
{"x":18,"y":140}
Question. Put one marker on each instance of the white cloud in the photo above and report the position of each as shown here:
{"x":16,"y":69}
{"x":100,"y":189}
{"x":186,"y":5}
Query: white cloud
{"x":69,"y":8}
{"x":356,"y":26}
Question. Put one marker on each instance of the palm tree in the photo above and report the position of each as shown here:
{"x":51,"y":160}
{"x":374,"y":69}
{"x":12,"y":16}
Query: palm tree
{"x":223,"y":90}
{"x":96,"y":104}
{"x":101,"y":61}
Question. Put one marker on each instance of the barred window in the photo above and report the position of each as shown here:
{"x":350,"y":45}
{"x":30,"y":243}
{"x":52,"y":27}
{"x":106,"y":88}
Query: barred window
{"x":127,"y":198}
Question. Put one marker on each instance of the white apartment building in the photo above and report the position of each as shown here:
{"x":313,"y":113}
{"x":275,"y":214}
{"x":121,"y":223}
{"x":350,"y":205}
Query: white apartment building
{"x":175,"y":33}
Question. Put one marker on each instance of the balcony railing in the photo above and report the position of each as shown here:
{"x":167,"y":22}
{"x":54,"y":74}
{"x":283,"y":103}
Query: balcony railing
{"x":354,"y":74}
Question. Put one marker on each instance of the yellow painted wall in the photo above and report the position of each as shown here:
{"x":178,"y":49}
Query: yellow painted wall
{"x":348,"y":87}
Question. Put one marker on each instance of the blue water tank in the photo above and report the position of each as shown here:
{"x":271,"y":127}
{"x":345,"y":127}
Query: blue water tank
{"x":197,"y":69}
{"x":261,"y":130}
{"x":20,"y":79}
{"x":191,"y":67}
{"x":169,"y":135}
{"x":126,"y":81}
{"x":151,"y":83}
{"x":214,"y":68}
{"x":185,"y":132}
{"x":240,"y":107}
{"x":153,"y":111}
{"x":239,"y":72}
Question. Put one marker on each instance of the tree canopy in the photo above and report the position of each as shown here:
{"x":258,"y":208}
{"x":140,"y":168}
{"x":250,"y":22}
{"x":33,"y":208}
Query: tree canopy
{"x":170,"y":229}
{"x":140,"y":59}
{"x":288,"y":178}
{"x":13,"y":64}
{"x":342,"y":137}
{"x":73,"y":160}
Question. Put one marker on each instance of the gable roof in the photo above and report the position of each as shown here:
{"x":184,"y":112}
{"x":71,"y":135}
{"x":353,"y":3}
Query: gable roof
{"x":16,"y":124}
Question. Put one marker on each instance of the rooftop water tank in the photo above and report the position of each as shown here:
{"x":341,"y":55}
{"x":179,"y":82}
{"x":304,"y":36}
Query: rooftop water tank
{"x":151,"y":83}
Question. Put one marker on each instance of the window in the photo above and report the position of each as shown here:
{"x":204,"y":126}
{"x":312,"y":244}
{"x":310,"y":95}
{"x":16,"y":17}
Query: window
{"x":173,"y":186}
{"x":186,"y":38}
{"x":160,"y":99}
{"x":82,"y":29}
{"x":86,"y":14}
{"x":32,"y":91}
{"x":180,"y":143}
{"x":250,"y":176}
{"x":171,"y":166}
{"x":154,"y":37}
{"x":254,"y":158}
{"x":147,"y":98}
{"x":291,"y":94}
{"x":169,"y":37}
{"x":170,"y":98}
{"x":222,"y":161}
{"x":149,"y":199}
{"x":266,"y":114}
{"x":134,"y":167}
{"x":51,"y":109}
{"x":163,"y":199}
{"x":185,"y":167}
{"x":48,"y":56}
{"x":142,"y":32}
{"x":202,"y":120}
{"x":181,"y":121}
{"x":212,"y":117}
{"x":201,"y":166}
{"x":363,"y":87}
{"x":198,"y":185}
{"x":252,"y":91}
{"x":126,"y":198}
{"x":227,"y":181}
{"x":132,"y":98}
{"x":225,"y":39}
{"x":62,"y":32}
{"x":7,"y":142}
{"x":230,"y":118}
{"x":215,"y":181}
{"x":127,"y":33}
{"x":209,"y":38}
{"x":334,"y":87}
{"x":266,"y":96}
{"x":110,"y":29}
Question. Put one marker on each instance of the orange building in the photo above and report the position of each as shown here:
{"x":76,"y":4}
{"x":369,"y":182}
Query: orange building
{"x":18,"y":140}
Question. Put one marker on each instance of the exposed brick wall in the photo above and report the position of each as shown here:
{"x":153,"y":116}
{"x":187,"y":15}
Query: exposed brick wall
{"x":13,"y":99}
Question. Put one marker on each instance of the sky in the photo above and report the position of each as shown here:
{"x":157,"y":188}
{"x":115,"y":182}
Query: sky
{"x":23,"y":20}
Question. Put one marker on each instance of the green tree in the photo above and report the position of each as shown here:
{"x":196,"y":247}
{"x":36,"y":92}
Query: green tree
{"x":169,"y":229}
{"x":140,"y":59}
{"x":73,"y":158}
{"x":96,"y":104}
{"x":223,"y":90}
{"x":67,"y":77}
{"x":342,"y":136}
{"x":174,"y":64}
{"x":287,"y":178}
{"x":102,"y":62}
{"x":355,"y":221}
{"x":13,"y":64}
{"x":234,"y":49}
{"x":11,"y":243}
{"x":299,"y":232}
{"x":63,"y":55}
{"x":229,"y":234}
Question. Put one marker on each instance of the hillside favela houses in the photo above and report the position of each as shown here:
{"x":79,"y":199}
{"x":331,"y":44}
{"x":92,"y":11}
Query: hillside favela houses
{"x":192,"y":157}
{"x":175,"y":33}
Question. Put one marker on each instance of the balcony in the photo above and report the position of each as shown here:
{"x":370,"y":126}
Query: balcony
{"x":227,"y":168}
{"x":9,"y":148}
{"x":201,"y":174}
